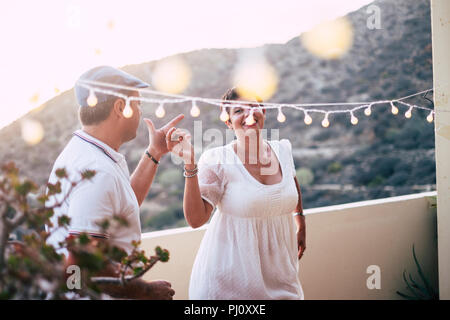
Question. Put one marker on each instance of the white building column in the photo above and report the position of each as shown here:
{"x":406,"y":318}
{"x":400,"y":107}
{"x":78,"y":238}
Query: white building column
{"x":440,"y":26}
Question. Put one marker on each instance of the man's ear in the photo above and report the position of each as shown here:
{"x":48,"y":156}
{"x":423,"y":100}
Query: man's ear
{"x":118,"y":107}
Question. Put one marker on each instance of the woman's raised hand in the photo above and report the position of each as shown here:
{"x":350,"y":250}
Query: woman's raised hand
{"x":179,"y":142}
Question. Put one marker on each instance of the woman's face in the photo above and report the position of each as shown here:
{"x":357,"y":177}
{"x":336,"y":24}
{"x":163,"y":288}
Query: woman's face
{"x":239,"y":114}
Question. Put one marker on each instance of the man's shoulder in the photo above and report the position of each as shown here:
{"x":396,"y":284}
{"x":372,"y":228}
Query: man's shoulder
{"x":74,"y":159}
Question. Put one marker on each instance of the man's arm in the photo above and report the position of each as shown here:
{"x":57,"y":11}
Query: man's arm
{"x":143,"y":175}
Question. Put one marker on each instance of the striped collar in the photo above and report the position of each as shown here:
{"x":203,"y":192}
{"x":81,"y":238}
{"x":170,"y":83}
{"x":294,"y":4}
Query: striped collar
{"x":107,"y":150}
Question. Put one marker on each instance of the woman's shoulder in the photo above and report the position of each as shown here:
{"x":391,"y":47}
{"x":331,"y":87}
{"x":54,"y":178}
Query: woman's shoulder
{"x":283,"y":143}
{"x":213,"y":156}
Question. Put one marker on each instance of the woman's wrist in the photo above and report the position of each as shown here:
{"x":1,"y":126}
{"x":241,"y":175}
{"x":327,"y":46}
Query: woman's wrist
{"x":189,"y":162}
{"x":190,"y":167}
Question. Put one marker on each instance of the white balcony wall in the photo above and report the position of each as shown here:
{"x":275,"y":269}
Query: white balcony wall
{"x":342,"y":242}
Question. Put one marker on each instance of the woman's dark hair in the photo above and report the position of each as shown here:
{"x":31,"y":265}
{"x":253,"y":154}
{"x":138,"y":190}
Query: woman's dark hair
{"x":232,"y":94}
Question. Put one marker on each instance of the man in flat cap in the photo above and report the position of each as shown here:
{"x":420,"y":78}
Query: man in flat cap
{"x":112,"y":191}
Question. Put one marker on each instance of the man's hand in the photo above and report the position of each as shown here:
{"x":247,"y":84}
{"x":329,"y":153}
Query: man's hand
{"x":157,"y":145}
{"x":159,"y":290}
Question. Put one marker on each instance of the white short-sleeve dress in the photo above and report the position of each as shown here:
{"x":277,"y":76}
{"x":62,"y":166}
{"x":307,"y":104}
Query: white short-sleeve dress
{"x":249,"y":250}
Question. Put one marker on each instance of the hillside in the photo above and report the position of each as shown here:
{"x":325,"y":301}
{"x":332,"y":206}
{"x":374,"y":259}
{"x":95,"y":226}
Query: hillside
{"x":382,"y":156}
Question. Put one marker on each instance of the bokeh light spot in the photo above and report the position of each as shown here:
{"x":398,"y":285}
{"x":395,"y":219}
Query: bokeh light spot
{"x":34,"y":99}
{"x":255,"y":79}
{"x":171,"y":75}
{"x":32,"y":132}
{"x":330,"y":39}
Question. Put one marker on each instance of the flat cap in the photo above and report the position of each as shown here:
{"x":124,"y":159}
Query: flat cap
{"x":109,"y":75}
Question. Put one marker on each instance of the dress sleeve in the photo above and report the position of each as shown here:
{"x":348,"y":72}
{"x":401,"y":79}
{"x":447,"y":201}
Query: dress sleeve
{"x":91,"y":202}
{"x":210,"y":178}
{"x":287,"y":144}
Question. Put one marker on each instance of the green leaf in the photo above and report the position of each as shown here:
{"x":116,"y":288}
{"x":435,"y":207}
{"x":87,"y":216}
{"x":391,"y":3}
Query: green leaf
{"x":25,"y":187}
{"x":53,"y":188}
{"x":63,"y":221}
{"x":418,"y":296}
{"x":61,"y":173}
{"x":43,"y":198}
{"x":121,"y":220}
{"x":84,"y":239}
{"x":137,"y":270}
{"x":163,"y":255}
{"x":104,"y":224}
{"x":421,"y":274}
{"x":88,"y":174}
{"x":405,"y":296}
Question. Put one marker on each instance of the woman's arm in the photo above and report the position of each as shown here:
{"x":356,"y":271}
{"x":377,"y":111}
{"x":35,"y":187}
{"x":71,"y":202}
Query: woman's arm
{"x":301,"y":223}
{"x":196,"y":210}
{"x":299,"y":219}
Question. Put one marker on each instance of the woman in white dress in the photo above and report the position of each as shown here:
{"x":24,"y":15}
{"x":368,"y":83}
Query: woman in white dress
{"x":256,"y":236}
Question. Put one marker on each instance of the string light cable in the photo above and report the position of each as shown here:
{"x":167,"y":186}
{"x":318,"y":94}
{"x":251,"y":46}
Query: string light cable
{"x":306,"y":108}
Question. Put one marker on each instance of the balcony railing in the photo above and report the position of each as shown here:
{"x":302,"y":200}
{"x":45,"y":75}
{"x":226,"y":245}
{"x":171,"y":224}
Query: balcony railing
{"x":342,"y":242}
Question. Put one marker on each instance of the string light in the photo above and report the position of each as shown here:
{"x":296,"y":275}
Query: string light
{"x":160,"y":112}
{"x":408,"y":113}
{"x":353,"y":120}
{"x":224,"y":116}
{"x":305,"y":108}
{"x":127,"y":112}
{"x":394,"y":109}
{"x":92,"y":99}
{"x":368,"y":110}
{"x":250,"y":120}
{"x":430,"y":117}
{"x":325,"y":122}
{"x":308,"y":119}
{"x":195,"y":110}
{"x":281,"y":117}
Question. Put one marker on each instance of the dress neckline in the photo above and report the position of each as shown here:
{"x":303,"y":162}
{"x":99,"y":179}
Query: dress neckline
{"x":238,"y":160}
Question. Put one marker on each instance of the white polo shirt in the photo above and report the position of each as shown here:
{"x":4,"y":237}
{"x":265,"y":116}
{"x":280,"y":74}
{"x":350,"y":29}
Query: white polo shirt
{"x":107,"y":194}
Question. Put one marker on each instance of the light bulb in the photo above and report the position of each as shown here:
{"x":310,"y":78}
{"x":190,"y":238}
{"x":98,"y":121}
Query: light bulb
{"x":281,"y":117}
{"x":250,"y":120}
{"x":308,"y":119}
{"x":430,"y":117}
{"x":195,"y":111}
{"x":127,"y":112}
{"x":160,"y":112}
{"x":394,"y":109}
{"x":224,"y":116}
{"x":368,"y":110}
{"x":353,"y":120}
{"x":92,"y":99}
{"x":325,"y":122}
{"x":408,"y":113}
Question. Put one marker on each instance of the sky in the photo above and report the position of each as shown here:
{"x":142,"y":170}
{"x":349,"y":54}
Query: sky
{"x":48,"y":44}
